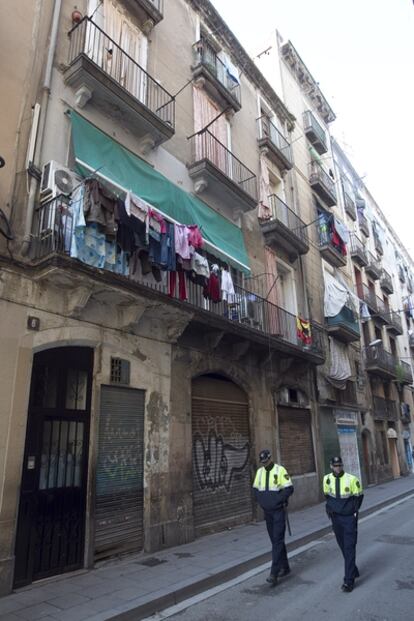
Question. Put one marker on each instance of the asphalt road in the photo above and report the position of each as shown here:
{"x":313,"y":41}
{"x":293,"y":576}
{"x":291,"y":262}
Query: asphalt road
{"x":384,"y":592}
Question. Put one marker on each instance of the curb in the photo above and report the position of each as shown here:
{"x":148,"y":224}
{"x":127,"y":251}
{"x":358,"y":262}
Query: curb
{"x":175,"y":597}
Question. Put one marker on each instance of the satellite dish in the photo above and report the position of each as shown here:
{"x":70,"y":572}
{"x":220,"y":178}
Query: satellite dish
{"x":63,"y":181}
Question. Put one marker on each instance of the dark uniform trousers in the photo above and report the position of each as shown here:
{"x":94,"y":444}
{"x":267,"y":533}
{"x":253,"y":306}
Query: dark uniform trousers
{"x":276,"y":525}
{"x":345,"y":528}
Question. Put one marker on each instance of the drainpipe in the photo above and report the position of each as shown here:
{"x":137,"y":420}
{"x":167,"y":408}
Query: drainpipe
{"x":42,"y":122}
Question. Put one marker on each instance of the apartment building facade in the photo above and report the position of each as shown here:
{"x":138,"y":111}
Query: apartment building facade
{"x":139,"y":383}
{"x":364,"y":405}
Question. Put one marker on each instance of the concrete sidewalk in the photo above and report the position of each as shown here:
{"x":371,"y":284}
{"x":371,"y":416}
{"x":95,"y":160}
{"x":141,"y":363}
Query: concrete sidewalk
{"x":139,"y":585}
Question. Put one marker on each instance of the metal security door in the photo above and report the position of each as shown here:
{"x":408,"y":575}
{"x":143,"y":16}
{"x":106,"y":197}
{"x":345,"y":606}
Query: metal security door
{"x":221,"y":467}
{"x":51,"y":523}
{"x":119,"y":505}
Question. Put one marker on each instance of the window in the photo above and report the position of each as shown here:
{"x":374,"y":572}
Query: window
{"x":286,"y":289}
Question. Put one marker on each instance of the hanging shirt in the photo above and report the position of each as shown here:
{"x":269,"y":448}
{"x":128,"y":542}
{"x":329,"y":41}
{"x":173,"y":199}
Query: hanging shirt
{"x":227,"y":287}
{"x":99,"y":207}
{"x":182,"y":246}
{"x":199,"y":265}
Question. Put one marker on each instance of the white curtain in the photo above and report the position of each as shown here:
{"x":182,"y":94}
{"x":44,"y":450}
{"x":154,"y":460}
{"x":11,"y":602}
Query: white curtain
{"x":204,"y":112}
{"x":340,"y":369}
{"x":265,"y":210}
{"x":133,"y":43}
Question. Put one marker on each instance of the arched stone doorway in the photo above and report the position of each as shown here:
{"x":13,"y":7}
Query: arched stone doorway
{"x":221,"y":451}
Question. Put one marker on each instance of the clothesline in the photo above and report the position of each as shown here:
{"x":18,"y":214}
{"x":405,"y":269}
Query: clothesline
{"x":125,"y":191}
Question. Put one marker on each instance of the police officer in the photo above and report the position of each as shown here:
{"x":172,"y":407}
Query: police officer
{"x":272,"y":487}
{"x":343,"y":493}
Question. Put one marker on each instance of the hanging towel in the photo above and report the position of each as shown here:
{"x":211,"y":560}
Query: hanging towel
{"x":340,"y":368}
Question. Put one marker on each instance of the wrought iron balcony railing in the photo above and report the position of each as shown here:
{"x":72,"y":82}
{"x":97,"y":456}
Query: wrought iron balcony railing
{"x":283,"y":213}
{"x":89,"y":40}
{"x":363,"y":224}
{"x":406,"y":373}
{"x":385,"y":409}
{"x":322,"y":183}
{"x":268,"y":132}
{"x":206,"y":55}
{"x":205,"y":146}
{"x":358,"y":252}
{"x":349,"y":203}
{"x":53,"y":233}
{"x":378,"y":359}
{"x":373,"y":268}
{"x":395,"y":322}
{"x":314,"y":132}
{"x":386,"y":282}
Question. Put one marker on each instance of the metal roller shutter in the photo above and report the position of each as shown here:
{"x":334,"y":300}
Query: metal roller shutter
{"x":120,"y":472}
{"x":296,"y":446}
{"x":221,"y":466}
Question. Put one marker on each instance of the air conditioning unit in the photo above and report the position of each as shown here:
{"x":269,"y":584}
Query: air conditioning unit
{"x":252,"y":311}
{"x":56,"y":180}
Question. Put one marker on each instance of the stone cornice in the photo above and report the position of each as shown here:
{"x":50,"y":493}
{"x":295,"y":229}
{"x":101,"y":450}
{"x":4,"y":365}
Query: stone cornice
{"x":223,"y":34}
{"x":307,"y":82}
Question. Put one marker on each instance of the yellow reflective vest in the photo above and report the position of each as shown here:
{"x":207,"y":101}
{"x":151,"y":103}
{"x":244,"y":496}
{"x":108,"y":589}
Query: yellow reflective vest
{"x":343,"y":494}
{"x":272,"y":487}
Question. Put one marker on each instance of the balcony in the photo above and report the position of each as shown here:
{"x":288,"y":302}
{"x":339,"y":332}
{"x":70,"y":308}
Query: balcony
{"x":377,"y":306}
{"x":273,"y":144}
{"x":217,"y":171}
{"x":322,"y":184}
{"x":149,"y":12}
{"x":378,"y":244}
{"x":285,"y":229}
{"x":249,"y":321}
{"x":373,"y":268}
{"x":404,"y":373}
{"x":210,"y":72}
{"x":349,"y":204}
{"x":363,"y":224}
{"x":344,"y":326}
{"x":101,"y":71}
{"x":386,"y":282}
{"x":385,"y":409}
{"x":329,"y":251}
{"x":395,"y":324}
{"x":314,"y":132}
{"x":380,"y":362}
{"x":358,"y":252}
{"x":347,"y":397}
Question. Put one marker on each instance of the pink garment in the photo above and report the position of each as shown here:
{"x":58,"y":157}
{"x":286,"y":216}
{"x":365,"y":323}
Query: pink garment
{"x":182,"y":247}
{"x":194,"y":236}
{"x":155,"y":217}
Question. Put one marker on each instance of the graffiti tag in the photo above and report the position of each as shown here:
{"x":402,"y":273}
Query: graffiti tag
{"x":216,"y":462}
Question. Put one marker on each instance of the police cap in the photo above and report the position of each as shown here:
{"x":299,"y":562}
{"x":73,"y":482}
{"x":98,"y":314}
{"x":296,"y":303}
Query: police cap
{"x":336,"y":461}
{"x":264,"y":455}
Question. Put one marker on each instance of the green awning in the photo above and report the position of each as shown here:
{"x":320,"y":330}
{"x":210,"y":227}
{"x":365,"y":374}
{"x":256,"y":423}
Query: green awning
{"x":96,"y":151}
